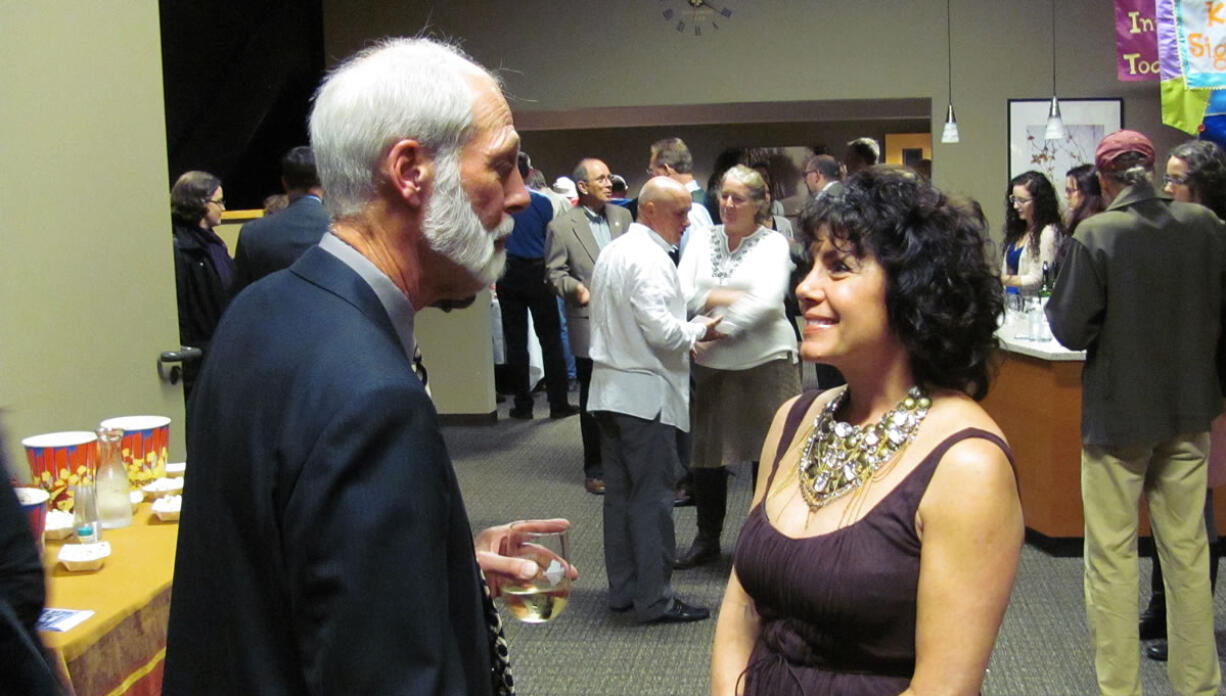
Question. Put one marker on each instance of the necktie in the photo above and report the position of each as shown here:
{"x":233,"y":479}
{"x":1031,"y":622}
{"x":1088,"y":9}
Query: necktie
{"x":500,"y":669}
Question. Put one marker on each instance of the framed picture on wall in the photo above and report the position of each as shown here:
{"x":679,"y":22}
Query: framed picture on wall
{"x":1086,"y":120}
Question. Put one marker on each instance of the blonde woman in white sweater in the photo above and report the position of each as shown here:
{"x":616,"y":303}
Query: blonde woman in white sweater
{"x":739,"y":271}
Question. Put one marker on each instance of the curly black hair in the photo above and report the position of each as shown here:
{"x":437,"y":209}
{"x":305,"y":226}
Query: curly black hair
{"x":942,"y":298}
{"x":1206,"y":173}
{"x":1046,"y":212}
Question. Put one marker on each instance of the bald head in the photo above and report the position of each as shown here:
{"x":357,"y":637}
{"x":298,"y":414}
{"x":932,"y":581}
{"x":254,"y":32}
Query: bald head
{"x":664,"y":206}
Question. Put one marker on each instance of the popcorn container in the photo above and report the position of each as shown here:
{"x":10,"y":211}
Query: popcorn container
{"x":59,"y":461}
{"x":34,"y":502}
{"x":144,"y":449}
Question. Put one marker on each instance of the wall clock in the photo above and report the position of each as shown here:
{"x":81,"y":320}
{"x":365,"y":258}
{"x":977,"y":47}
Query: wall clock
{"x":694,"y":17}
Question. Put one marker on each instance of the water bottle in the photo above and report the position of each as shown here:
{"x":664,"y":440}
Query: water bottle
{"x":85,"y":513}
{"x":111,"y":481}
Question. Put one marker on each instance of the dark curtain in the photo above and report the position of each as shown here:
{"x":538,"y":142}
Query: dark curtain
{"x":238,"y":79}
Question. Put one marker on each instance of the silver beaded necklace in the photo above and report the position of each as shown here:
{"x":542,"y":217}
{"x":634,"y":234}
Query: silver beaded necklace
{"x":840,"y":457}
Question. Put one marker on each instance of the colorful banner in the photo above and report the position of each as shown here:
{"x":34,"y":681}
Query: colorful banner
{"x":1136,"y":40}
{"x":1183,"y":107}
{"x":1201,"y":27}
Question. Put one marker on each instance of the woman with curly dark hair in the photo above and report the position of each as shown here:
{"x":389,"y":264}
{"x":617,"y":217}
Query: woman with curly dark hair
{"x":1033,"y":231}
{"x":1196,"y":173}
{"x":888,"y":519}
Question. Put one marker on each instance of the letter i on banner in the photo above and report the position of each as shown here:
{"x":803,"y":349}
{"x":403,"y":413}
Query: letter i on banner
{"x":1136,"y":40}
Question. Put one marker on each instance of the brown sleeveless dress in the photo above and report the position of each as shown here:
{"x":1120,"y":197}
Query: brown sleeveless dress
{"x":837,"y":610}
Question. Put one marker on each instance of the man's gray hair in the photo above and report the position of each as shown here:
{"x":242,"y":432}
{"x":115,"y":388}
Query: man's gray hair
{"x":399,"y":88}
{"x":1130,"y":168}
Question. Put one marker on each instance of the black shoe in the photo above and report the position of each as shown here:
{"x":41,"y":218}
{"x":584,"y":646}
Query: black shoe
{"x":621,"y":610}
{"x":703,"y":550}
{"x":595,"y":486}
{"x":1156,"y":651}
{"x":563,"y":411}
{"x":682,"y":497}
{"x":521,"y":413}
{"x":1153,"y":624}
{"x":680,"y":612}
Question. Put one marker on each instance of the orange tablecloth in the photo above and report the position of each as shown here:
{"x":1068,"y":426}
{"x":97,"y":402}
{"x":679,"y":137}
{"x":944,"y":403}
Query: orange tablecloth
{"x":121,"y":649}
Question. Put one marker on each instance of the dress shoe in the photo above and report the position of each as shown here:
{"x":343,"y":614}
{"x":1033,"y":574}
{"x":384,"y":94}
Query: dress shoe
{"x":1153,"y":624}
{"x":522,"y":413}
{"x":594,"y":486}
{"x":621,"y":610}
{"x":680,"y":612}
{"x":682,"y":497}
{"x":703,"y":550}
{"x":564,"y":411}
{"x":1156,"y":651}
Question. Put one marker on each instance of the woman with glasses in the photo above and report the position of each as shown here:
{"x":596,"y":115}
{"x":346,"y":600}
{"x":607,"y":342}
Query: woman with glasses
{"x":1195,"y":173}
{"x":738,"y":270}
{"x":203,"y":267}
{"x":1033,"y":232}
{"x":1085,"y":198}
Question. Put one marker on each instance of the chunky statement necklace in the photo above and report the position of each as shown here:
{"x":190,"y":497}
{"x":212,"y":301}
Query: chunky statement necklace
{"x":840,"y":457}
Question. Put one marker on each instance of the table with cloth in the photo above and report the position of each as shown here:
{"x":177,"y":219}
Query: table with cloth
{"x":121,"y":649}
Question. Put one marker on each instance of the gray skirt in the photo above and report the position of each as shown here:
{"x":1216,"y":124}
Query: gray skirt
{"x":733,"y":410}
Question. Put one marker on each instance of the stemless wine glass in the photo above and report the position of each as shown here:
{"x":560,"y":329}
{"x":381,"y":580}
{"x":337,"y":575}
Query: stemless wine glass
{"x":545,"y":595}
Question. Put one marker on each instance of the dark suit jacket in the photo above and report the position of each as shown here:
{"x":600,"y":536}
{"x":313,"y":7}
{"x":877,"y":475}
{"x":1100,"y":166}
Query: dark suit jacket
{"x":323,"y":545}
{"x":271,"y":243}
{"x":1141,"y":291}
{"x":570,"y":257}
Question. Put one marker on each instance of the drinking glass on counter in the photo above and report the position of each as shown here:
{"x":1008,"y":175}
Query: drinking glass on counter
{"x":545,"y":595}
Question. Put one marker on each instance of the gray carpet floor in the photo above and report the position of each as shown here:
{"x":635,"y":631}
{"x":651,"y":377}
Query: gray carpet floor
{"x":525,"y":469}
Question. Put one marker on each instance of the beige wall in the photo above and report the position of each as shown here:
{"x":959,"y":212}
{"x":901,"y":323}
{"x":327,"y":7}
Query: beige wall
{"x":587,"y":54}
{"x":86,"y":274}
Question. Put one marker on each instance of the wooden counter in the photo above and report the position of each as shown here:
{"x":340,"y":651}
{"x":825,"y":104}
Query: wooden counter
{"x":1036,"y":400}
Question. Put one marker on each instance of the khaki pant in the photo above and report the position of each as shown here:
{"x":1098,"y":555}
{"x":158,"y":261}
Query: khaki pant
{"x":1172,"y":477}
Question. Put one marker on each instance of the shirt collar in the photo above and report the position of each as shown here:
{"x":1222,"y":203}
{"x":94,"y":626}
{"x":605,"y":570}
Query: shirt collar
{"x":399,"y":309}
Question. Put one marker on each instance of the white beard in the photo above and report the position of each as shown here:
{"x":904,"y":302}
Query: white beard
{"x":453,"y":229}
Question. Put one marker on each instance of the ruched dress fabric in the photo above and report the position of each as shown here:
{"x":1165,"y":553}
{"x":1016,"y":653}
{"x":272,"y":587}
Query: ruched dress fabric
{"x":837,"y":611}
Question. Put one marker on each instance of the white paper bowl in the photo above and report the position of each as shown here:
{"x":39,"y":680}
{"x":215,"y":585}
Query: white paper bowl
{"x":175,"y":469}
{"x":163,"y":487}
{"x":136,"y":498}
{"x":59,"y":525}
{"x":167,"y":508}
{"x":83,"y":557}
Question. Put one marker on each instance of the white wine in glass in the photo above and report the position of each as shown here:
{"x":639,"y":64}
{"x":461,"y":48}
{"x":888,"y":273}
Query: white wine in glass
{"x":546,"y":594}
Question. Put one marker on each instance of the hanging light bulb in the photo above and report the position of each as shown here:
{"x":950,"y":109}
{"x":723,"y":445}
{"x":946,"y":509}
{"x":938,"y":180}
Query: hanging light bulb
{"x":950,"y":133}
{"x":1055,"y":125}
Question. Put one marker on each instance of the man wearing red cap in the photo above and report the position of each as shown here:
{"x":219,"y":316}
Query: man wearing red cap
{"x":1141,"y":290}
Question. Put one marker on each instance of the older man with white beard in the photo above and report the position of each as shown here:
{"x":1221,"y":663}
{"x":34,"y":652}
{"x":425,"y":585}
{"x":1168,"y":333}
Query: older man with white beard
{"x":323,"y":545}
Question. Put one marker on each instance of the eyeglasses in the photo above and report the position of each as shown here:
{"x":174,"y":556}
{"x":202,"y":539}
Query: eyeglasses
{"x":1014,"y":200}
{"x":1070,"y":190}
{"x":1175,"y":180}
{"x":219,"y":201}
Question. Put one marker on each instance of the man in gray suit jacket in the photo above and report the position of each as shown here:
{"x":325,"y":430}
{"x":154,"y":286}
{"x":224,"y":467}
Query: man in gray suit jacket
{"x":1141,"y":290}
{"x":572,"y":242}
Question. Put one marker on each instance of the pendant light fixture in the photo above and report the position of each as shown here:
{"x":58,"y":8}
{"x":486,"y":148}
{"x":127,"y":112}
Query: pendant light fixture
{"x":1055,"y":125}
{"x":950,"y":133}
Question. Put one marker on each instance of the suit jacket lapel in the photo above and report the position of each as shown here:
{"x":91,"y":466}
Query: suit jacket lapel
{"x":583,"y":232}
{"x":324,"y":270}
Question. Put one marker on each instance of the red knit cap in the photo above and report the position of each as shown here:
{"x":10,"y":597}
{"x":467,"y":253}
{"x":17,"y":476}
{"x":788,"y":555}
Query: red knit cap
{"x":1120,"y":142}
